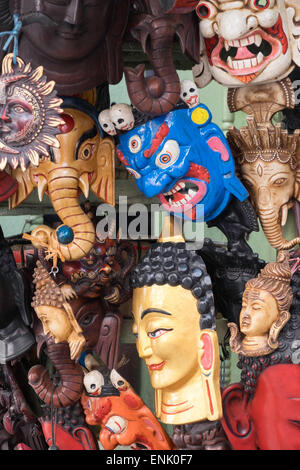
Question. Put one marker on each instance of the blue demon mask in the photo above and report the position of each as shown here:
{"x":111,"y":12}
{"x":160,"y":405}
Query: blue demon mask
{"x":184,"y":159}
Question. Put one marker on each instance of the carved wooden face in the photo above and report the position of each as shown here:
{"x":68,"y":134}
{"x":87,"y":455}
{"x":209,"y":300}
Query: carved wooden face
{"x":123,"y":417}
{"x":167,"y":338}
{"x":18,"y":115}
{"x":259,"y":312}
{"x":272,"y":186}
{"x":249,"y":41}
{"x":65,"y":29}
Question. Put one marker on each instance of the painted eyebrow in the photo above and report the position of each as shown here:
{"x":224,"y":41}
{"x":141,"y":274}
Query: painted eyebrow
{"x":154,"y":310}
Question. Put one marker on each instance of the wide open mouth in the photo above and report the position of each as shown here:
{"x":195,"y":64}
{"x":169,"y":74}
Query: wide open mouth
{"x":183,"y":196}
{"x":246,"y":57}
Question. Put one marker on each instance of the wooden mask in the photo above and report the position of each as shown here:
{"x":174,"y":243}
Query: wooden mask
{"x":29,"y":116}
{"x":174,"y":325}
{"x":78,"y":42}
{"x":250,"y":42}
{"x":84,"y":160}
{"x":265,"y":309}
{"x":267,"y":156}
{"x":109,"y":401}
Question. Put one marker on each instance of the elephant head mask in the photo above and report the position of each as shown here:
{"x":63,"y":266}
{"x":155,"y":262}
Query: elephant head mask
{"x":267,"y":157}
{"x":84,"y":160}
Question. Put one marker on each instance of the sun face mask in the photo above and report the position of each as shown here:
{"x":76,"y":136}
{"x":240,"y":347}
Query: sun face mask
{"x":184,"y":159}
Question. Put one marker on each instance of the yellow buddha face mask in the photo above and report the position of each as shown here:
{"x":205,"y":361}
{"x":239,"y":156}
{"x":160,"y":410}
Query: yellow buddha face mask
{"x":182,"y":358}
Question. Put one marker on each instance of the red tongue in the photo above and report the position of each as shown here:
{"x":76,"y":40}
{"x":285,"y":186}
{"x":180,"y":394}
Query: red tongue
{"x":243,"y":53}
{"x":177,"y":197}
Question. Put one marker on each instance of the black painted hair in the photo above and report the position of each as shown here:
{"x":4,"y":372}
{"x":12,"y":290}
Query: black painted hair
{"x":171,"y":263}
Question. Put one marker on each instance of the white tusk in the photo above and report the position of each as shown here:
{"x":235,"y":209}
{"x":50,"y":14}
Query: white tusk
{"x":42,"y":186}
{"x":284,"y":214}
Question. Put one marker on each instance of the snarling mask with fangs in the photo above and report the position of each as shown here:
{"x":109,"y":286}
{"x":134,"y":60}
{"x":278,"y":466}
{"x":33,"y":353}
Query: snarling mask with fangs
{"x":250,"y":41}
{"x":184,"y":159}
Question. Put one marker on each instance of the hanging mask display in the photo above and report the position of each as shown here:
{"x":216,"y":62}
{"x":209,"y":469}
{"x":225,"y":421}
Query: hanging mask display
{"x":183,"y":158}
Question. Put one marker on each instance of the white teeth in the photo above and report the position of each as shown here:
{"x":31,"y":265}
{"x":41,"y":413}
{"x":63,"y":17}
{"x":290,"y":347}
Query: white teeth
{"x":235,"y":65}
{"x":188,"y":198}
{"x":254,"y":62}
{"x":247,"y":63}
{"x":230,"y":62}
{"x":192,"y":193}
{"x":258,"y":40}
{"x":244,"y":42}
{"x":182,"y":185}
{"x":260,"y":58}
{"x":254,"y":39}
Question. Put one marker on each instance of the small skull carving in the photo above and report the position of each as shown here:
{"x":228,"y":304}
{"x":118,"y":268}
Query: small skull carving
{"x":106,"y":122}
{"x":189,"y":93}
{"x":122,"y":116}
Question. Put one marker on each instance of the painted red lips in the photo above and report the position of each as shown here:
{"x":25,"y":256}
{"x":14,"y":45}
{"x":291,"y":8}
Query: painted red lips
{"x":157,"y":366}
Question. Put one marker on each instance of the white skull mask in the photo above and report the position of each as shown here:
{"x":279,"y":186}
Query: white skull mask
{"x":106,"y":122}
{"x":189,"y":93}
{"x":250,"y":41}
{"x":122,"y":116}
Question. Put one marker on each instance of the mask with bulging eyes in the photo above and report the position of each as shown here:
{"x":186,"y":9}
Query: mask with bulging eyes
{"x":250,"y":42}
{"x":184,"y":159}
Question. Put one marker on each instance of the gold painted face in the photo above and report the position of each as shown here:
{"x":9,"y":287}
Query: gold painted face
{"x":259,"y":312}
{"x":167,"y":326}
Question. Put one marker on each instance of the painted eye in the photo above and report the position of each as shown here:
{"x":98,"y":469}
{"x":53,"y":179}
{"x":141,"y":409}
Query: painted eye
{"x":261,"y":4}
{"x":133,"y":172}
{"x":87,"y":152}
{"x":168,"y":155}
{"x":206,"y":10}
{"x":157,"y":333}
{"x":18,"y":109}
{"x":279,"y":181}
{"x":135,"y":144}
{"x":93,"y":382}
{"x":118,"y":381}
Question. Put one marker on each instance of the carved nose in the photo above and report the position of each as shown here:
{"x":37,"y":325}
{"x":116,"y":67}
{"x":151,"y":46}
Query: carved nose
{"x":74,"y":12}
{"x":3,"y":115}
{"x":235,"y":24}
